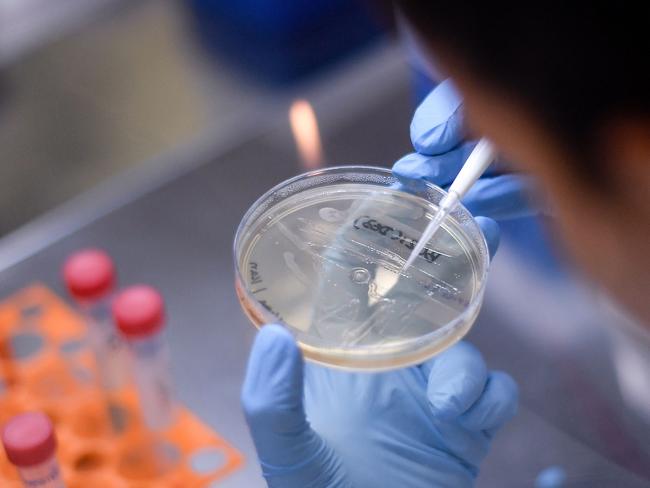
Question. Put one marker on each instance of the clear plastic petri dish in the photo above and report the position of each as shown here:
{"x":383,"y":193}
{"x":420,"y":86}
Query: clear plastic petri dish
{"x":322,"y":254}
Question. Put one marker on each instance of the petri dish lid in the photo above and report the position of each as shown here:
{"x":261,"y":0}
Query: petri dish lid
{"x":322,"y":254}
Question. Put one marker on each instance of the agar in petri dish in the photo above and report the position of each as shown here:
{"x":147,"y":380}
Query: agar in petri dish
{"x":323,"y":253}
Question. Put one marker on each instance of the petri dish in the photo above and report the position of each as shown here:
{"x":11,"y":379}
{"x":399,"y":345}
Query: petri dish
{"x":322,"y":253}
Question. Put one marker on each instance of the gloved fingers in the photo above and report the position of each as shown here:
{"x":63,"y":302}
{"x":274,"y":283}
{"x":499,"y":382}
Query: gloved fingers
{"x":501,"y":197}
{"x":272,"y":392}
{"x":495,"y":407}
{"x":439,"y":170}
{"x":437,"y":125}
{"x":456,"y":379}
{"x":290,"y":452}
{"x":491,"y":232}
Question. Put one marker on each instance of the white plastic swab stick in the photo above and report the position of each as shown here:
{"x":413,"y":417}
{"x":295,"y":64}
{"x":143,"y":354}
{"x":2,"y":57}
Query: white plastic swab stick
{"x":476,"y":164}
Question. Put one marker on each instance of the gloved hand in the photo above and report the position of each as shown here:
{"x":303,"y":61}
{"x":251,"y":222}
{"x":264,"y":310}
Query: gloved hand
{"x":437,"y":134}
{"x":423,"y":426}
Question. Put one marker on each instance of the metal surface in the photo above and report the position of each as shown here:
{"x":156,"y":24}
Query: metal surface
{"x":542,"y":329}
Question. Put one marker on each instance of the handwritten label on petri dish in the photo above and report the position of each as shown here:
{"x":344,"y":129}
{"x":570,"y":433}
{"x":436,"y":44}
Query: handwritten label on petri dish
{"x":374,"y":225}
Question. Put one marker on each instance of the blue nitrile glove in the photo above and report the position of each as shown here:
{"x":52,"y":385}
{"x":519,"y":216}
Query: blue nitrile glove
{"x":437,"y":134}
{"x":423,"y":426}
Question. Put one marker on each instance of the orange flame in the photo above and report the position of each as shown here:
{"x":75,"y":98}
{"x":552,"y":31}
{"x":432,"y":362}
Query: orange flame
{"x":306,"y":134}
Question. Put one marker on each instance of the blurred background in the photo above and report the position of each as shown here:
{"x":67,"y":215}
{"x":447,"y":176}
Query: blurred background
{"x":148,"y":127}
{"x":90,"y":88}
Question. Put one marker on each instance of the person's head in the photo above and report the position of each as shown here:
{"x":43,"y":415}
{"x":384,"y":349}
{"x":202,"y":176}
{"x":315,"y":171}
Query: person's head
{"x":564,"y":91}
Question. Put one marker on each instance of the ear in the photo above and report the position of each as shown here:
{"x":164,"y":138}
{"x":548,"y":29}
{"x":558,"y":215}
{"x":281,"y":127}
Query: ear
{"x":627,"y":159}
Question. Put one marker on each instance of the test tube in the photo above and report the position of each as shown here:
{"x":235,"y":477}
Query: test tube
{"x":30,"y":444}
{"x":138,"y":312}
{"x":89,"y":275}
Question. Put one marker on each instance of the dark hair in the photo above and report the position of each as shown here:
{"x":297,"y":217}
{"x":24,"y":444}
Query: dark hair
{"x":575,"y":64}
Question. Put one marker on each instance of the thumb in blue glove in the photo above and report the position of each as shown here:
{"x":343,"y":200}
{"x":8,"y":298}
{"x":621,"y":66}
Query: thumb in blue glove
{"x":290,"y":452}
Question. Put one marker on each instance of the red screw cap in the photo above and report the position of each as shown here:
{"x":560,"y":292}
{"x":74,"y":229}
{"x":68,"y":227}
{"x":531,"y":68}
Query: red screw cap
{"x":139,"y":311}
{"x":89,"y":274}
{"x":29,"y":439}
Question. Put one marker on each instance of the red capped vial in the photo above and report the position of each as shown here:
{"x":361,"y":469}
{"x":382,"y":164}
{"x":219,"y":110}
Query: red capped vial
{"x":139,"y":314}
{"x":30,"y":444}
{"x":90,"y":277}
